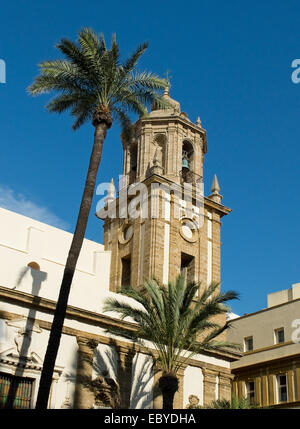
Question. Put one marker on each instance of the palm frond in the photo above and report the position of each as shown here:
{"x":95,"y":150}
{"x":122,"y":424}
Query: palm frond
{"x":172,"y":319}
{"x":91,"y":75}
{"x":130,"y":63}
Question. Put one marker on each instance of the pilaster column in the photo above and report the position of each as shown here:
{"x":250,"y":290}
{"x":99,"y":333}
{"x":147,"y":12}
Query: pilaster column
{"x":297,"y":384}
{"x":290,"y":380}
{"x":241,"y":388}
{"x":124,"y":377}
{"x":265,"y":395}
{"x":209,"y":385}
{"x":84,"y":397}
{"x":258,"y":399}
{"x":225,"y":385}
{"x":271,"y":378}
{"x":235,"y":388}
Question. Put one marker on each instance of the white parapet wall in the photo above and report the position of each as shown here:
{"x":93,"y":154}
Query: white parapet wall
{"x":24,"y":241}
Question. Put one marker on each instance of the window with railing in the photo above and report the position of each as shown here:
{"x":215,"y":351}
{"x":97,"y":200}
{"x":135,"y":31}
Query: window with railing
{"x":15,"y":392}
{"x":187,"y":176}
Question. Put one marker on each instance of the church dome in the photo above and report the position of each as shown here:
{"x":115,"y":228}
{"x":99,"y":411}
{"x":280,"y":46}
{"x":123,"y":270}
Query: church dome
{"x":173,"y":109}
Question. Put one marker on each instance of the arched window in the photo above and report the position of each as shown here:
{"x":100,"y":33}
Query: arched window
{"x":187,"y":155}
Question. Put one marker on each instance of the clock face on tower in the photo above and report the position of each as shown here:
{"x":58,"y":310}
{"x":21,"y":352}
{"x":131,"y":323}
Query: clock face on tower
{"x":188,"y":230}
{"x":125,"y":233}
{"x":128,"y":232}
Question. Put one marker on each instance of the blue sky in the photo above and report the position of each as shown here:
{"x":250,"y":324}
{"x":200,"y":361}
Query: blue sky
{"x":230,"y":63}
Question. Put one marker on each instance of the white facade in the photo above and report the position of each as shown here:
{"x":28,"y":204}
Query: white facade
{"x":27,"y":297}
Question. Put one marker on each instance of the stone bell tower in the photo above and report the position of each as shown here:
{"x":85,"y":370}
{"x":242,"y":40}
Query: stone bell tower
{"x":178,"y":228}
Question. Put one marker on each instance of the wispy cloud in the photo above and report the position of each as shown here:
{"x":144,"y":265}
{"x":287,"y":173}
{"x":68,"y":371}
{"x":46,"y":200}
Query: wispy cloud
{"x":17,"y":202}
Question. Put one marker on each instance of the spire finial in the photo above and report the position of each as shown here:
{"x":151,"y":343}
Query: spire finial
{"x":172,"y":105}
{"x":167,"y":88}
{"x":198,"y":122}
{"x":215,"y":189}
{"x":111,"y":192}
{"x":167,"y":91}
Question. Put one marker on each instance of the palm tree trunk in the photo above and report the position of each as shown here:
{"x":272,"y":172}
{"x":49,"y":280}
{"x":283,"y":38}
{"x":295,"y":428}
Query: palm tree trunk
{"x":168,"y":385}
{"x":78,"y":237}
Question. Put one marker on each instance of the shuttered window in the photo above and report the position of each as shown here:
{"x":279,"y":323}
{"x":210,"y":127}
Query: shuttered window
{"x":15,"y":392}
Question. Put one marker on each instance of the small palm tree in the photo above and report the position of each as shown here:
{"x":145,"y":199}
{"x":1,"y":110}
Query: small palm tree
{"x":172,"y":318}
{"x":95,"y":86}
{"x":236,"y":404}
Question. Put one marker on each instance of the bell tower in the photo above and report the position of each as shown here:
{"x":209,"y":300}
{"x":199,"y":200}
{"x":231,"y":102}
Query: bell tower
{"x":175,"y":227}
{"x":169,"y":139}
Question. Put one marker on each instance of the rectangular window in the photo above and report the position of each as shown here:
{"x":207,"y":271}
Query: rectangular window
{"x":126,"y":271}
{"x":279,"y":336}
{"x":188,"y":266}
{"x":282,"y":388}
{"x":250,"y":386}
{"x":248,"y":344}
{"x":15,"y":392}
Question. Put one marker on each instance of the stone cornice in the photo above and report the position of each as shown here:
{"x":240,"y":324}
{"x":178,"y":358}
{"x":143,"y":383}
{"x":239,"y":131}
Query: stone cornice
{"x":173,"y":119}
{"x":155,"y":178}
{"x":233,"y":321}
{"x":267,"y":348}
{"x":43,"y":304}
{"x":222,"y":210}
{"x":47,"y":305}
{"x":277,"y":362}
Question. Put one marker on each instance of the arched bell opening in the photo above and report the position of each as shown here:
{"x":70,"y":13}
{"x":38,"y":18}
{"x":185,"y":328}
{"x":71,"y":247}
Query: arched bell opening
{"x":187,"y":167}
{"x":133,"y":163}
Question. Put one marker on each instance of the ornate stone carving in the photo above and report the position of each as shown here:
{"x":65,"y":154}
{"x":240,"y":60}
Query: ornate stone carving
{"x":24,"y":331}
{"x":106,"y":393}
{"x":193,"y":402}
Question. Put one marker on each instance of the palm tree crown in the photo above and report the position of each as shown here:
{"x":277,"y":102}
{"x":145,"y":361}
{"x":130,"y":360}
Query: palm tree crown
{"x":92,"y":81}
{"x":172,"y":319}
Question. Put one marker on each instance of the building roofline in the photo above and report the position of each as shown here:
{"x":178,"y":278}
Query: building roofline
{"x":263,"y":310}
{"x":245,"y":367}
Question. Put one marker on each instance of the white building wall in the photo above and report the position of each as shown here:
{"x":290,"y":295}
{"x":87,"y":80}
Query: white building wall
{"x":142,"y":382}
{"x":193,"y":384}
{"x":24,"y":240}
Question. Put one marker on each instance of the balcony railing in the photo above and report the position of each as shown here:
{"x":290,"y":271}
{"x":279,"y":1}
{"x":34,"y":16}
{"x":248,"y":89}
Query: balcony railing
{"x":187,"y":176}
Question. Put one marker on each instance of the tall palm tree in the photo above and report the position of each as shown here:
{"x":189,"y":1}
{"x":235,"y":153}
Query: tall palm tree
{"x":172,"y":319}
{"x":95,"y":86}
